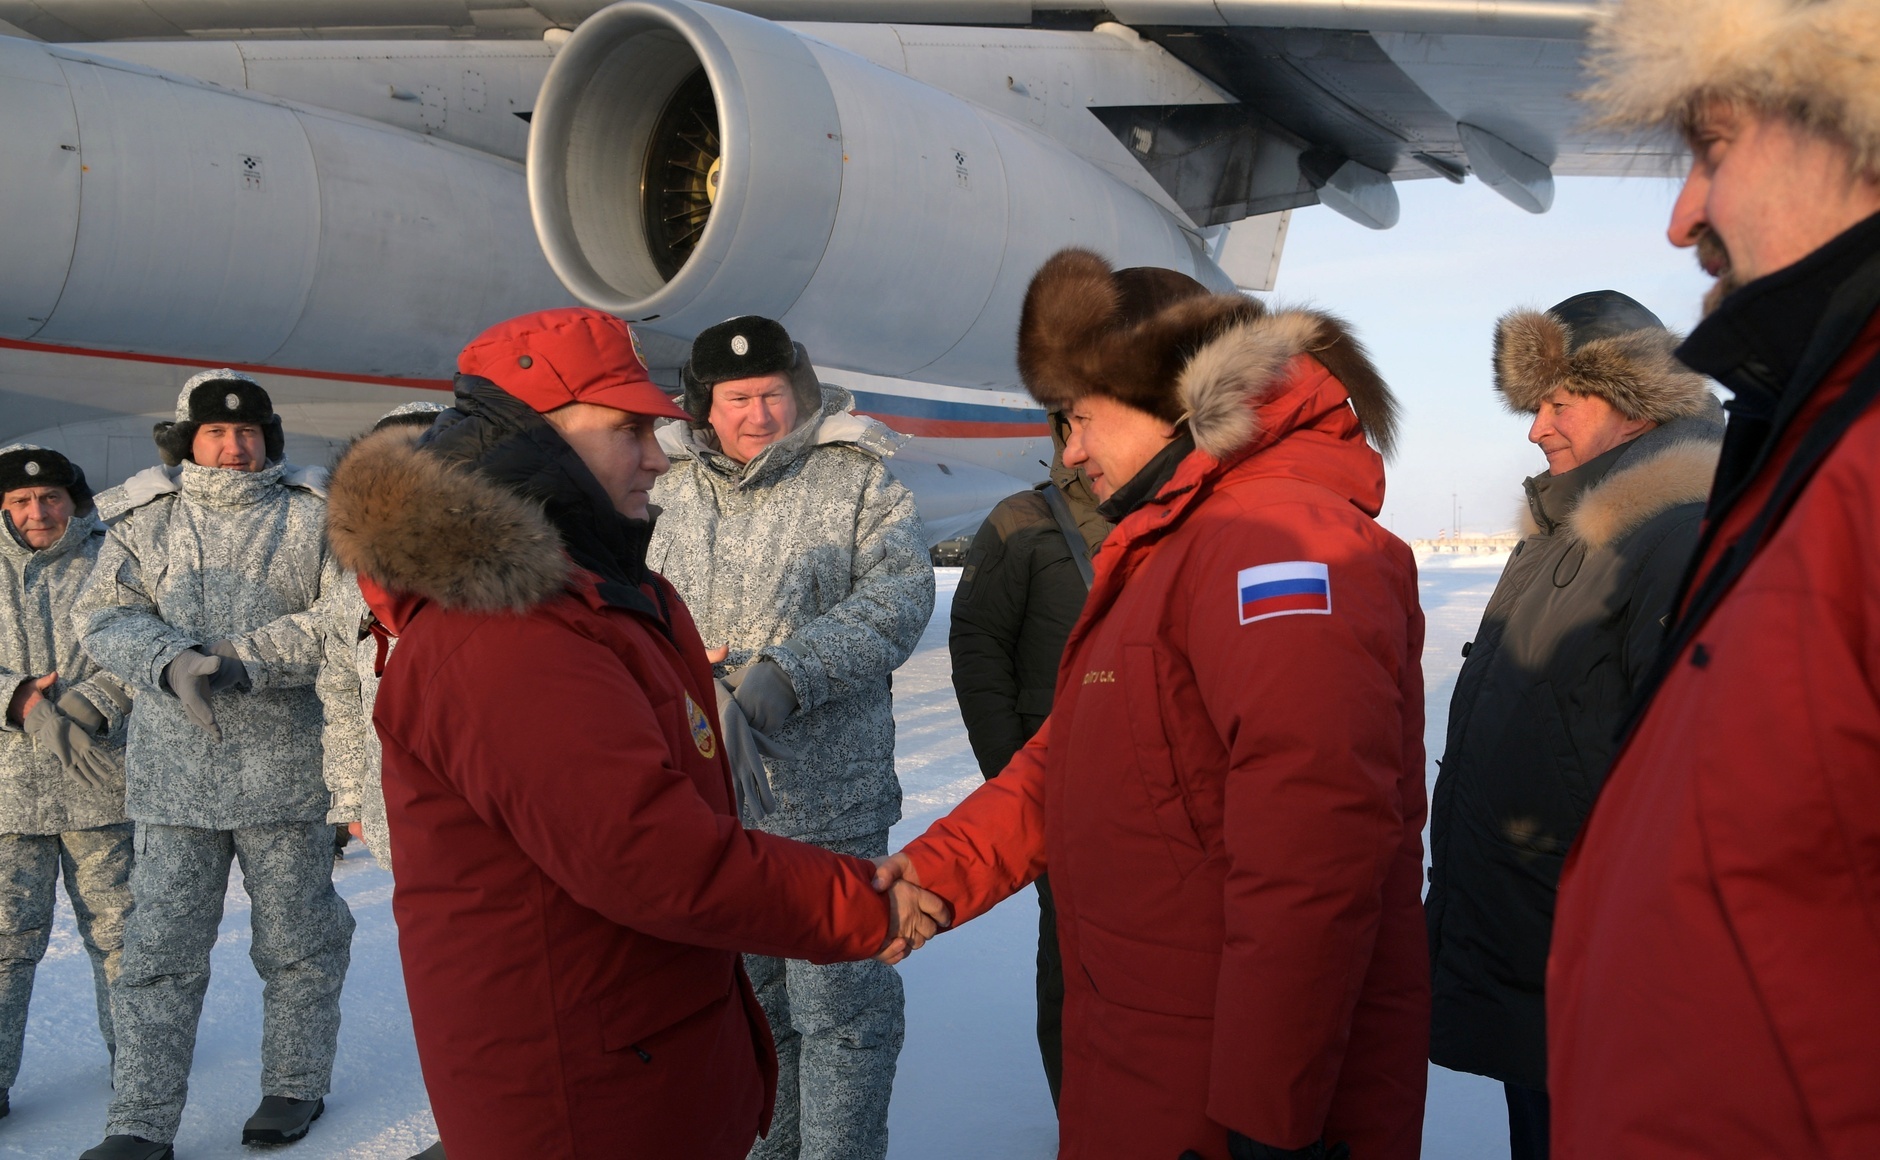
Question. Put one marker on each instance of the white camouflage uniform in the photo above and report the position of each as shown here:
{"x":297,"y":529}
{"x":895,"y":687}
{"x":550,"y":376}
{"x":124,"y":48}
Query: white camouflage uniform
{"x":49,"y":821}
{"x":812,"y":556}
{"x":198,"y":555}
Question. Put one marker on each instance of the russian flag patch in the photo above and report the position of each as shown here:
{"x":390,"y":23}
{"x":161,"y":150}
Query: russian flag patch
{"x":1296,"y":586}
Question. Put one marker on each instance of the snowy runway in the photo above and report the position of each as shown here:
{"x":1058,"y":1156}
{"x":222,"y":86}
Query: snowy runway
{"x":969,"y":1081}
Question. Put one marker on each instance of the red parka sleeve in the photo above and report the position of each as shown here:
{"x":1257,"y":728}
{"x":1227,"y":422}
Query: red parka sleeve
{"x":1315,"y":714}
{"x":552,"y":741}
{"x":990,"y":846}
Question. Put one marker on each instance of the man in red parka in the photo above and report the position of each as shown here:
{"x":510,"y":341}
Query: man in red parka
{"x":1712,"y":989}
{"x":573,"y":883}
{"x":1229,"y":790}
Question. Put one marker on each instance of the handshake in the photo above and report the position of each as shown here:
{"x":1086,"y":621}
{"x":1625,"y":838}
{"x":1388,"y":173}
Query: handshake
{"x":914,"y":915}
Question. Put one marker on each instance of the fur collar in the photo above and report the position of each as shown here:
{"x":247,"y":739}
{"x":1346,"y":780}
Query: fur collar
{"x":1631,"y":496}
{"x":415,"y":523}
{"x":1656,"y":63}
{"x":1636,"y":372}
{"x":1231,"y":372}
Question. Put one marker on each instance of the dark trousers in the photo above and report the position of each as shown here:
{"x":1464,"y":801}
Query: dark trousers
{"x":1527,"y":1122}
{"x":1050,"y":991}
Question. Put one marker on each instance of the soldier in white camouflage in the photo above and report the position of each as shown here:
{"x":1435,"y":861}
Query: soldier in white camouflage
{"x":203,"y":602}
{"x":349,"y":683}
{"x":61,"y":745}
{"x":794,"y":545}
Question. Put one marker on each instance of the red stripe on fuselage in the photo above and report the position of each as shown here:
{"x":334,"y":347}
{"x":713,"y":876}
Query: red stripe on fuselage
{"x":956,"y":428}
{"x":215,"y":364}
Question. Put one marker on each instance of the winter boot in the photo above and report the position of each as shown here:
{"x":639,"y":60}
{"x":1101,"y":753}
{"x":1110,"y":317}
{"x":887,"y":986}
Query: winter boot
{"x":6,"y":1104}
{"x":434,"y":1152}
{"x":281,"y":1120}
{"x":129,"y":1148}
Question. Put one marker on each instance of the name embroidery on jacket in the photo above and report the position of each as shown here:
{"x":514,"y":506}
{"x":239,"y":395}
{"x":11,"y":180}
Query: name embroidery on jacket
{"x":1291,"y":588}
{"x":702,"y":735}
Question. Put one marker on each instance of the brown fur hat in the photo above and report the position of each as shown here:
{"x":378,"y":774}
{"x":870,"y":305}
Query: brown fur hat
{"x":1657,"y":63}
{"x":1160,"y":342}
{"x":1602,"y":344}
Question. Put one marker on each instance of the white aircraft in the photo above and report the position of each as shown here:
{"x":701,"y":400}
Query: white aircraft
{"x":336,"y":194}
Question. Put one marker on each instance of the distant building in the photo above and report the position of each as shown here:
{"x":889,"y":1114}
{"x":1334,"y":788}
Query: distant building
{"x":1467,"y":543}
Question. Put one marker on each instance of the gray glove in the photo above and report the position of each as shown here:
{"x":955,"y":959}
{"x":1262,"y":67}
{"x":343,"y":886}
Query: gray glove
{"x":192,"y":676}
{"x":85,"y":761}
{"x":233,"y":674}
{"x":764,"y":693}
{"x":74,"y":705}
{"x":745,"y":749}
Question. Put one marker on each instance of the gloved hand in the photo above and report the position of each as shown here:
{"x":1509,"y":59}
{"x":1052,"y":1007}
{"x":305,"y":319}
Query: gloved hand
{"x":764,"y":693}
{"x":192,"y":676}
{"x":73,"y":704}
{"x":1240,"y":1147}
{"x":233,"y":674}
{"x":745,"y":749}
{"x":85,"y":761}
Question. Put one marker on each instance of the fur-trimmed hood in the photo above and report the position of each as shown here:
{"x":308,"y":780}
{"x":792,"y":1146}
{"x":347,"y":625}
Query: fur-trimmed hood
{"x":1656,"y":63}
{"x":415,"y":523}
{"x":1637,"y":371}
{"x":1157,"y":341}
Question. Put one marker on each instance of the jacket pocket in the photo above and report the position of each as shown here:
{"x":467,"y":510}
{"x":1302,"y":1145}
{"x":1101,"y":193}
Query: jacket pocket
{"x":1154,"y":759}
{"x":670,"y":993}
{"x":1154,"y":977}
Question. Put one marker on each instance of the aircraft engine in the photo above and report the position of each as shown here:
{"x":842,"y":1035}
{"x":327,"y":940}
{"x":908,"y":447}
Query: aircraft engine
{"x":688,"y":164}
{"x":156,"y":213}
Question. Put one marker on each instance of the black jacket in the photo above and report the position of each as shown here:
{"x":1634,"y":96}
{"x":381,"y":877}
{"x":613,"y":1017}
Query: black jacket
{"x":1019,"y":594}
{"x":1569,"y":635}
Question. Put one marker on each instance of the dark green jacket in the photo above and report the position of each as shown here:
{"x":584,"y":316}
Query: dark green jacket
{"x":1571,"y":630}
{"x":1019,"y":594}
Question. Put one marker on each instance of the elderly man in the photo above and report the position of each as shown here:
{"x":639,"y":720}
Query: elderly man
{"x":803,"y":556}
{"x":62,"y":750}
{"x":573,"y":882}
{"x":1711,"y":991}
{"x":1229,"y":791}
{"x":202,"y":602}
{"x":1630,"y":438}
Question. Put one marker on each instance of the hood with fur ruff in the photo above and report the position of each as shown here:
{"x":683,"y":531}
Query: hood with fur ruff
{"x":1200,"y":358}
{"x":417,"y":523}
{"x":1657,"y":63}
{"x":1637,"y":372}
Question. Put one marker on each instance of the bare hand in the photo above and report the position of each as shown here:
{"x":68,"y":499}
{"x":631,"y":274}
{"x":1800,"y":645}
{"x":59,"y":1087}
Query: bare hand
{"x":914,"y":915}
{"x":717,"y":655}
{"x":27,"y":694}
{"x":356,"y":830}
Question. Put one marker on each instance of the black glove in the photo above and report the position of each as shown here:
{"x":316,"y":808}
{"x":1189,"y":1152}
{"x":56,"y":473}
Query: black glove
{"x":193,"y":675}
{"x":1240,"y":1147}
{"x":745,"y":749}
{"x":85,"y":761}
{"x":764,"y":693}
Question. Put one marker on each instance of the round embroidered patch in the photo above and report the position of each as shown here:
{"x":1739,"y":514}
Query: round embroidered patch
{"x":32,"y":467}
{"x":702,"y":735}
{"x":232,"y":401}
{"x":740,"y":345}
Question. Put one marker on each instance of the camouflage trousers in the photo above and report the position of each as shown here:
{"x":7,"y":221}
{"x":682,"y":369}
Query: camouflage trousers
{"x":97,"y":868}
{"x":838,"y":1030}
{"x":301,"y":945}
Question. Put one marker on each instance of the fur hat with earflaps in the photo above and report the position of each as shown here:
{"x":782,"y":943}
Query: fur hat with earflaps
{"x":1657,"y":63}
{"x":1603,"y":344}
{"x":218,"y":396}
{"x":1161,"y":342}
{"x":27,"y":465}
{"x":747,"y":347}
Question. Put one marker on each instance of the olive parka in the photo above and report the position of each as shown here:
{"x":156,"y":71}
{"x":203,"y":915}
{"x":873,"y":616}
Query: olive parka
{"x":1570,"y":632}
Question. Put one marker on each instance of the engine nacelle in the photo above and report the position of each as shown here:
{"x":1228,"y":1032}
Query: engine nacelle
{"x":155,"y":213}
{"x":689,"y":163}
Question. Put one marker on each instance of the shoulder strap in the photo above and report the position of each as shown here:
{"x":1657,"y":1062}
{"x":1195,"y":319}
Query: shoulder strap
{"x":1067,"y":523}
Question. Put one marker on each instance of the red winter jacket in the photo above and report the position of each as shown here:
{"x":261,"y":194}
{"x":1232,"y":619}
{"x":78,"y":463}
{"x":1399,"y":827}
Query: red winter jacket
{"x":573,"y":883}
{"x":1714,"y":987}
{"x":1231,"y":803}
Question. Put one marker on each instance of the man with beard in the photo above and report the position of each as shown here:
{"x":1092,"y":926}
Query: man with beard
{"x":1711,"y":991}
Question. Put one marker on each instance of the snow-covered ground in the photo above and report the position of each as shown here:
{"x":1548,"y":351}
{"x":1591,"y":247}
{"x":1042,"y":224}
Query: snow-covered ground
{"x":969,"y":1082}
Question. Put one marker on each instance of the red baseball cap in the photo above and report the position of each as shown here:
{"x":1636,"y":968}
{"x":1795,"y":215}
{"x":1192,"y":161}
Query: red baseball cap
{"x":572,"y":355}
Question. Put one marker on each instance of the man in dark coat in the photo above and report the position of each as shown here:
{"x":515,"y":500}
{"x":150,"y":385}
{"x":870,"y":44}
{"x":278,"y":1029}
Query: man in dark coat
{"x":1711,"y":986}
{"x":1630,"y":437}
{"x":573,"y":884}
{"x":1023,"y":585}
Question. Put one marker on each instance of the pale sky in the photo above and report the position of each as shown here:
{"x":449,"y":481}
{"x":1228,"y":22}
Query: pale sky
{"x":1424,"y":298}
